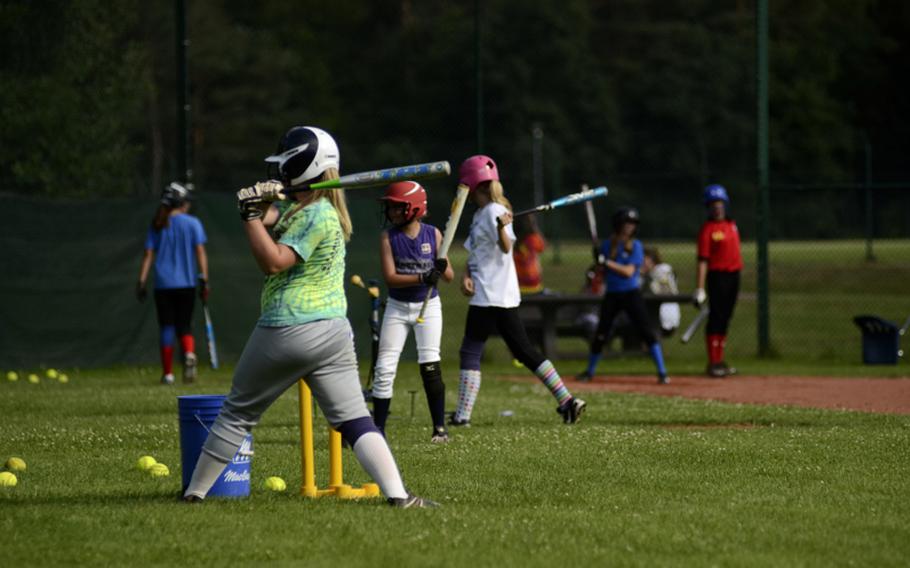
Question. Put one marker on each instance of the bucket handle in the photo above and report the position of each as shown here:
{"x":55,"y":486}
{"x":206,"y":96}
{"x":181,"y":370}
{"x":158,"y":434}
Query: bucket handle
{"x":206,"y":428}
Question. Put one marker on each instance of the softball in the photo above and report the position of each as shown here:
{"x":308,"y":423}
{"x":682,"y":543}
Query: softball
{"x":52,"y":373}
{"x":275,"y":484}
{"x":16,"y":464}
{"x":159,"y":470}
{"x":33,"y":378}
{"x":63,"y":378}
{"x":12,"y":376}
{"x":8,"y":479}
{"x":145,"y":463}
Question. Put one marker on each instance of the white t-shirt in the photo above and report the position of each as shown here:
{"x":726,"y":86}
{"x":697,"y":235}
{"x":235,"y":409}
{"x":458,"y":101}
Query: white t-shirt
{"x":493,"y":271}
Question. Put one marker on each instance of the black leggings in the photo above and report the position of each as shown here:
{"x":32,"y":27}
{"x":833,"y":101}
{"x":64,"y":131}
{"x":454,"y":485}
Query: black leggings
{"x":175,"y":307}
{"x":482,"y":321}
{"x":630,"y":302}
{"x":723,"y":287}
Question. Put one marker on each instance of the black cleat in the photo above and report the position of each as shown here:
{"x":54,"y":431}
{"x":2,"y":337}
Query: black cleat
{"x":466,"y":423}
{"x":728,"y":369}
{"x":440,"y":435}
{"x":663,"y":380}
{"x":413,"y":502}
{"x":191,"y":499}
{"x":572,"y":410}
{"x":716,"y":371}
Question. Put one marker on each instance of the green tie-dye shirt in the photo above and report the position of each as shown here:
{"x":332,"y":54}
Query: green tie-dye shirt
{"x":312,"y":289}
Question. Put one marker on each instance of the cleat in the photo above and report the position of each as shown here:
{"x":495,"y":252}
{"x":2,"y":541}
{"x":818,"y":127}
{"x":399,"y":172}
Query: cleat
{"x":167,"y":379}
{"x":191,"y":499}
{"x":584,"y":377}
{"x":728,"y":370}
{"x":412,"y":502}
{"x":466,"y":422}
{"x":663,"y":380}
{"x":440,"y":435}
{"x":716,"y":371}
{"x":572,"y":410}
{"x":189,"y":367}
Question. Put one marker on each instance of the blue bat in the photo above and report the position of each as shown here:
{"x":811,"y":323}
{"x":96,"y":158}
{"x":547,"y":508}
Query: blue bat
{"x":572,"y":199}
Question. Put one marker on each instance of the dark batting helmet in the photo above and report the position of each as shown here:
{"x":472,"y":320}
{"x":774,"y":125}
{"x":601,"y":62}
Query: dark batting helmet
{"x":625,"y":215}
{"x":304,"y":153}
{"x":716,"y":192}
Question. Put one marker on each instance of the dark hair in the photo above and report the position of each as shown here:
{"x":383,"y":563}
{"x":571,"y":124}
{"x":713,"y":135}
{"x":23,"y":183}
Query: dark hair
{"x":162,"y":217}
{"x":653,"y":253}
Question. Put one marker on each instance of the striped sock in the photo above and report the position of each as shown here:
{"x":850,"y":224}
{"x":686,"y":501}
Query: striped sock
{"x":546,"y":372}
{"x":468,"y":387}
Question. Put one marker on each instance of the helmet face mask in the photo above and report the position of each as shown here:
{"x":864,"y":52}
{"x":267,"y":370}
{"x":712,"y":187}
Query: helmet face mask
{"x":304,"y":153}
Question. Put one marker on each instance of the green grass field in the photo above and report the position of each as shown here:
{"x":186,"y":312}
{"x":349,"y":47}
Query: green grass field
{"x":642,"y":481}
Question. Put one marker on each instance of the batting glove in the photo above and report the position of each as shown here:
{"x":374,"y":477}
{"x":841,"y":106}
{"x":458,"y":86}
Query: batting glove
{"x":700,"y":297}
{"x":430,"y":277}
{"x":249,"y":202}
{"x":270,"y":190}
{"x":440,"y":264}
{"x":204,"y":290}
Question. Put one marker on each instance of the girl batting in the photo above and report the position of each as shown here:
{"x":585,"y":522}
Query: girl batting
{"x":407,"y":253}
{"x":622,"y":256}
{"x":303,"y":331}
{"x":491,"y":282}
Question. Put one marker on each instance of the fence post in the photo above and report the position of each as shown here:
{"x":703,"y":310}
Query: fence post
{"x":867,"y":188}
{"x":763,"y":208}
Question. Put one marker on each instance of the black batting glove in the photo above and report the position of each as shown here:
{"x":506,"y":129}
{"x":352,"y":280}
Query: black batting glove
{"x":440,"y":264}
{"x":430,"y":277}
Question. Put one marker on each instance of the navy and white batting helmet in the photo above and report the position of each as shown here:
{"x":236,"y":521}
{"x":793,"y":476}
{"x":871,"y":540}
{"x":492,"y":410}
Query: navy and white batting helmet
{"x":304,"y":153}
{"x":625,"y":215}
{"x":174,"y":195}
{"x":716,"y":192}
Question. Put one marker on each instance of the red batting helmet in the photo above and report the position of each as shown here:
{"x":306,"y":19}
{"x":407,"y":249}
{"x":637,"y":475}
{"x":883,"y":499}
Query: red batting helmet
{"x":476,"y":170}
{"x":411,"y":194}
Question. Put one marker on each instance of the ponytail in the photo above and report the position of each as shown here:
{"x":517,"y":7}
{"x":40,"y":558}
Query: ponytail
{"x":497,"y":194}
{"x":338,"y":200}
{"x":162,"y":218}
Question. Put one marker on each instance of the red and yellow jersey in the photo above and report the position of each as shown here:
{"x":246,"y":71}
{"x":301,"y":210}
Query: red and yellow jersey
{"x":718,"y":243}
{"x":527,"y":263}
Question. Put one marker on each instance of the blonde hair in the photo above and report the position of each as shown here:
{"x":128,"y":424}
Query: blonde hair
{"x":338,"y":200}
{"x":497,"y":194}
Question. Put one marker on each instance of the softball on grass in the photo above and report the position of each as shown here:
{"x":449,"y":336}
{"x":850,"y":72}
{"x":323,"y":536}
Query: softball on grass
{"x":33,"y":378}
{"x":274,"y":484}
{"x":159,"y":470}
{"x":8,"y":479}
{"x":12,"y":376}
{"x":63,"y":378}
{"x":145,"y":463}
{"x":52,"y":373}
{"x":16,"y":464}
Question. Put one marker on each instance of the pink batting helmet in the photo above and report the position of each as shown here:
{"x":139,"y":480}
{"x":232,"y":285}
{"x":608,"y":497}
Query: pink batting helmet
{"x":476,"y":170}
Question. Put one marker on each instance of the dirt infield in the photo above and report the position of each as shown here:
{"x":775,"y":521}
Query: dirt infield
{"x":866,"y":395}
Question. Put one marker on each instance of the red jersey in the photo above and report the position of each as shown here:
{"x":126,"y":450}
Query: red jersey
{"x":527,"y":263}
{"x":718,"y":243}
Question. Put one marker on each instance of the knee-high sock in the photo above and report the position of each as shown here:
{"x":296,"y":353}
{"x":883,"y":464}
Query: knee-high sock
{"x":208,"y":468}
{"x":435,"y":390}
{"x":166,"y":336}
{"x":715,"y":348}
{"x":722,"y":343}
{"x":468,"y":387}
{"x":381,"y":412}
{"x":546,"y":372}
{"x":188,"y":343}
{"x":593,"y":360}
{"x":374,"y":455}
{"x":658,"y":355}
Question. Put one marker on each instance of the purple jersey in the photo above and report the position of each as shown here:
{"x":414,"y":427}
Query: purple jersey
{"x":413,"y":256}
